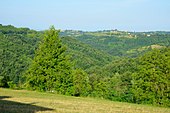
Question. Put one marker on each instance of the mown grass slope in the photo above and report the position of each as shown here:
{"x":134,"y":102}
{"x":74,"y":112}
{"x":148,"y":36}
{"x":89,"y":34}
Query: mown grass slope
{"x":21,"y":101}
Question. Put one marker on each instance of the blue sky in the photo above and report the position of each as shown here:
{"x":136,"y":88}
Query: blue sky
{"x":88,"y":15}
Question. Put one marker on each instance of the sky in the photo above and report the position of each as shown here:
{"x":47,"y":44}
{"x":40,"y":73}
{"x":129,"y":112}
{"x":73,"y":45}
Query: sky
{"x":87,"y":15}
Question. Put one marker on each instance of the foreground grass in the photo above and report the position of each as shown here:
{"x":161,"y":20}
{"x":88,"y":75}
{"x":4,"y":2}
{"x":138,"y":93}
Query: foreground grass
{"x":21,"y":101}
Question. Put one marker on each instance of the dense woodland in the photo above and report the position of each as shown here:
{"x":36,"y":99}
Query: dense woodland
{"x":110,"y":64}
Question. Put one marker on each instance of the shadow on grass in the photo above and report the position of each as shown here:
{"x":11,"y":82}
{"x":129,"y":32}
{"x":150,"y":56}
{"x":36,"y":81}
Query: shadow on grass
{"x":7,"y":106}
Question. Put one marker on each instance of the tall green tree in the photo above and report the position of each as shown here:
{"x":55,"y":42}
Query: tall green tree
{"x":51,"y":68}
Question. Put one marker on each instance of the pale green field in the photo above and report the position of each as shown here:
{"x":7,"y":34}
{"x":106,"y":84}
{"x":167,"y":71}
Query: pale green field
{"x":21,"y":101}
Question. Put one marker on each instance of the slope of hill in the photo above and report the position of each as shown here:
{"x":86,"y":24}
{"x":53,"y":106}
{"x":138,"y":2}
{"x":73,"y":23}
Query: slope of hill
{"x":121,"y":43}
{"x":84,"y":55}
{"x":16,"y":51}
{"x":21,"y":101}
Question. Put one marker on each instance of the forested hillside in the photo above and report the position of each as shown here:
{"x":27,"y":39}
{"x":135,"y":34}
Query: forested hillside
{"x":17,"y":47}
{"x":84,"y":55}
{"x":111,"y":64}
{"x":121,"y":43}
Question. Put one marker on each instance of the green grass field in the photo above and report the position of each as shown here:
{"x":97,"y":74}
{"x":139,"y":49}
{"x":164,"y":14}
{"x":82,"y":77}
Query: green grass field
{"x":22,"y":101}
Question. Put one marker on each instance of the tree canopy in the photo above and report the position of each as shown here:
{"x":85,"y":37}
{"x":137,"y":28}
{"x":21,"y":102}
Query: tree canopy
{"x":151,"y":81}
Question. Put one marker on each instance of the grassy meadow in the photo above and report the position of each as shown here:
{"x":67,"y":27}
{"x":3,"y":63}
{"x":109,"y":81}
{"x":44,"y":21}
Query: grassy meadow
{"x":22,"y":101}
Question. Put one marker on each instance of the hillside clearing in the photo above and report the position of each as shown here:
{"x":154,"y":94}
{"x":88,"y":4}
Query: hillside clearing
{"x":21,"y":101}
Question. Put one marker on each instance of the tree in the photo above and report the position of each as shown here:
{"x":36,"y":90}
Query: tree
{"x":50,"y":69}
{"x":151,"y":82}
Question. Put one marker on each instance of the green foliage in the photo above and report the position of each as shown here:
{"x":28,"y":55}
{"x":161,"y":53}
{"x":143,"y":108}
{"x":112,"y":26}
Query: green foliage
{"x":115,"y":77}
{"x":4,"y":81}
{"x":16,"y":51}
{"x":50,"y":69}
{"x":120,"y":87}
{"x":84,"y":55}
{"x":151,"y":82}
{"x":100,"y":88}
{"x":81,"y":83}
{"x":12,"y":85}
{"x":11,"y":30}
